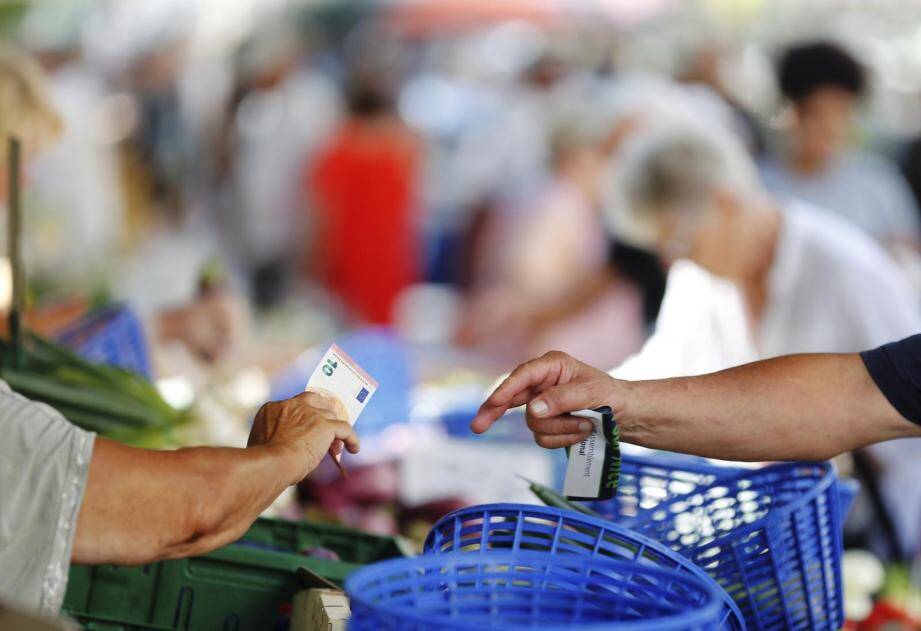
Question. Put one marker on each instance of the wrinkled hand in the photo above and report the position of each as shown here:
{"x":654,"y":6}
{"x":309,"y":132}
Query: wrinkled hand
{"x":552,"y":386}
{"x":303,"y":428}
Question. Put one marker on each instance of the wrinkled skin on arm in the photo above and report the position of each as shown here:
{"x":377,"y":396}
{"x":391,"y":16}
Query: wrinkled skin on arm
{"x":799,"y":407}
{"x":143,"y":505}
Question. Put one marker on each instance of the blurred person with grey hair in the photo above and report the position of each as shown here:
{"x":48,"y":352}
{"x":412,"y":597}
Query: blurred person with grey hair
{"x":798,"y":278}
{"x":751,"y":277}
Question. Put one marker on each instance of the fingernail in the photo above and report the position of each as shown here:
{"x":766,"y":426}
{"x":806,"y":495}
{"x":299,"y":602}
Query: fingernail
{"x":586,"y":426}
{"x":539,"y":408}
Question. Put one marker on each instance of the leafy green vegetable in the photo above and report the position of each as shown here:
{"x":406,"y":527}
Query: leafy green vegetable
{"x":113,"y":402}
{"x":551,"y":498}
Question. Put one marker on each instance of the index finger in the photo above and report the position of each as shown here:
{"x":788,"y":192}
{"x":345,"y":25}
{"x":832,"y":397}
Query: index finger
{"x":346,"y":433}
{"x":524,"y":383}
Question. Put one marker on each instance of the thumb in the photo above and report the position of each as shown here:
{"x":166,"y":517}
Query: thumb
{"x":563,"y":399}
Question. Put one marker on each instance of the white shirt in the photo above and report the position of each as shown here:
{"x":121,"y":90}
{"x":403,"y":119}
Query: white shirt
{"x":831,"y":289}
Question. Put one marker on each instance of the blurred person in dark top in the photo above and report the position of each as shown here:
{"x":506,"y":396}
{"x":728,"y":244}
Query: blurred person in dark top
{"x":825,"y":84}
{"x":362,"y":187}
{"x":158,"y":154}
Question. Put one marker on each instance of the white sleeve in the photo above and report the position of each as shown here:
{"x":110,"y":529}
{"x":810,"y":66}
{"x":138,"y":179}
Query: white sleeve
{"x":44,"y":464}
{"x":877,"y":303}
{"x":702,"y":327}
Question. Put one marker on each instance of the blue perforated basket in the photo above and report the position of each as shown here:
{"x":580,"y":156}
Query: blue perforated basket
{"x":647,"y":481}
{"x":112,"y":335}
{"x":517,"y":527}
{"x":525,"y":590}
{"x":771,"y":538}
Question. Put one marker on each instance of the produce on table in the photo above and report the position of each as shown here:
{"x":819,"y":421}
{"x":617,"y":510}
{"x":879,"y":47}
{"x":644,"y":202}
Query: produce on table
{"x":551,"y":498}
{"x":110,"y":401}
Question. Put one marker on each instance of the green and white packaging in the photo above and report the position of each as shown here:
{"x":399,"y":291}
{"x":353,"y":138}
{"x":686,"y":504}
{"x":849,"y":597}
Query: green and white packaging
{"x":593,"y":470}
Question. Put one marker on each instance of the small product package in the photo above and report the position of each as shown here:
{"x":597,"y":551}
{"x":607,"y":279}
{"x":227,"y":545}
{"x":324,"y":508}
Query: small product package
{"x":593,"y":470}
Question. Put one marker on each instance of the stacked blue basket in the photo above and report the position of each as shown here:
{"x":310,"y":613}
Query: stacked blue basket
{"x":518,"y":590}
{"x":113,"y":336}
{"x":771,"y":537}
{"x":524,"y":527}
{"x":647,"y":481}
{"x":765,"y":542}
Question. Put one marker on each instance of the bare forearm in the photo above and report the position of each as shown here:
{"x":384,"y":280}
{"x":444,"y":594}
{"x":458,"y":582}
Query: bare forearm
{"x":801,"y":407}
{"x":143,"y":505}
{"x":229,"y":489}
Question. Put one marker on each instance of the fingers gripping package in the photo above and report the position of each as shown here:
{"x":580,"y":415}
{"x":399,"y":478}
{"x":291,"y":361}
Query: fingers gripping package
{"x":594,"y":463}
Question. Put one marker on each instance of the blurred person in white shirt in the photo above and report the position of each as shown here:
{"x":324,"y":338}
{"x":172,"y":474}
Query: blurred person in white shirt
{"x":824,"y":85}
{"x":752,"y":277}
{"x":282,"y":111}
{"x":77,"y":210}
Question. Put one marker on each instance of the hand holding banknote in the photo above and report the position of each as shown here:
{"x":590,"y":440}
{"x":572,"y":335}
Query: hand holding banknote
{"x":303,"y":428}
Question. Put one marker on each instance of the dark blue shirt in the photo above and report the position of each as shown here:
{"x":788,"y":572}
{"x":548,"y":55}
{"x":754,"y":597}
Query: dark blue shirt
{"x":896,"y":369}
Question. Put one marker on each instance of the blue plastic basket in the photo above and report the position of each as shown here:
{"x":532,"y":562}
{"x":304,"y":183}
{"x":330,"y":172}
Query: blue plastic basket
{"x":526,"y":590}
{"x":517,"y":527}
{"x":112,"y":335}
{"x":647,"y":481}
{"x":770,"y":537}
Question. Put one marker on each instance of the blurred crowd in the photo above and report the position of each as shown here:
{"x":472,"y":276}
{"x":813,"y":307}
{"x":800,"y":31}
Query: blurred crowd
{"x":510,"y":184}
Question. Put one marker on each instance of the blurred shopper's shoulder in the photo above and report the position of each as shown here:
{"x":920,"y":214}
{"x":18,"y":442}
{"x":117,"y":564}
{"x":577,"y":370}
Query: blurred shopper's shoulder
{"x":832,"y":288}
{"x":830,"y":238}
{"x":839,"y":263}
{"x":44,"y":464}
{"x":861,"y":187}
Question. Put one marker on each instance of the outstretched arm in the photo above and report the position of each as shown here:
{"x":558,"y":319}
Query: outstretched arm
{"x":800,"y":407}
{"x":142,"y":505}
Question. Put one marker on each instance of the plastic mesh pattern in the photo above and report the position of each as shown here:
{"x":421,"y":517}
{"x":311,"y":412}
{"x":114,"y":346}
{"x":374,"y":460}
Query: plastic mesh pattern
{"x":515,"y":590}
{"x":523,"y":527}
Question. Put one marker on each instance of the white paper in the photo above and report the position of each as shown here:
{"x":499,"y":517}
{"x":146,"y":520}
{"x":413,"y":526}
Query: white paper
{"x":586,"y":460}
{"x":339,"y":376}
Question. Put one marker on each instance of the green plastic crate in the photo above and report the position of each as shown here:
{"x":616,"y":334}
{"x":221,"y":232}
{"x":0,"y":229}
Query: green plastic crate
{"x":234,"y":588}
{"x":93,"y":623}
{"x":351,"y":545}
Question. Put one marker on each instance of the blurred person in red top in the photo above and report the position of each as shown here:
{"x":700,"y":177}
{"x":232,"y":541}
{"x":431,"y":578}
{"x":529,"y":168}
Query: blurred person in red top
{"x":362,"y":186}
